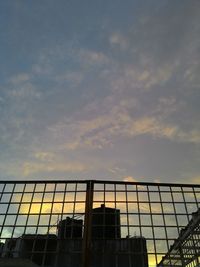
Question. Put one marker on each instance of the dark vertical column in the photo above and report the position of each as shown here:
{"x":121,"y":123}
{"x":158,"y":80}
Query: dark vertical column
{"x":87,"y":225}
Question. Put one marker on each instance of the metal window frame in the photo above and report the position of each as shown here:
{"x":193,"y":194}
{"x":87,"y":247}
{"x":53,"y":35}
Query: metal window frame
{"x":149,"y":190}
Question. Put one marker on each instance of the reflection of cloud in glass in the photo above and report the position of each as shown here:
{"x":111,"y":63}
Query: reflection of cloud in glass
{"x":24,"y":208}
{"x":18,"y":231}
{"x":21,"y":220}
{"x":6,"y":232}
{"x":5,"y":197}
{"x":26,"y":197}
{"x":136,"y":218}
{"x":35,"y":208}
{"x":10,"y":219}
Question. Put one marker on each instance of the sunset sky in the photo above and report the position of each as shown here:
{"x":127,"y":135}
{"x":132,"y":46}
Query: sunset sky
{"x":100,"y":90}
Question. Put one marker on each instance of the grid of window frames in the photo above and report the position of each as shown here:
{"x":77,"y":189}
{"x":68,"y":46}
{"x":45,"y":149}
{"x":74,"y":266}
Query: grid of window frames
{"x":67,"y":223}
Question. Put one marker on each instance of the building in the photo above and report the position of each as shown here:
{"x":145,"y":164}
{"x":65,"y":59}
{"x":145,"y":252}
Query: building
{"x":70,"y":228}
{"x":37,"y":248}
{"x":108,"y":249}
{"x":122,"y":252}
{"x":105,"y":223}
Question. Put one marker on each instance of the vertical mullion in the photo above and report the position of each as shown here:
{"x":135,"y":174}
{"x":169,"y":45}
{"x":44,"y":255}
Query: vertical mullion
{"x":19,"y":210}
{"x":138,"y":206}
{"x":195,"y":252}
{"x":86,"y":251}
{"x":104,"y":225}
{"x":185,"y":203}
{"x":187,"y":214}
{"x":73,"y":212}
{"x":51,"y":210}
{"x":31,"y":202}
{"x":3,"y":191}
{"x":177,"y":226}
{"x":5,"y":215}
{"x":42,"y":201}
{"x":127,"y":217}
{"x":36,"y":237}
{"x":172,"y":200}
{"x":49,"y":227}
{"x":163,"y":216}
{"x":115,"y":199}
{"x":73,"y":217}
{"x":174,"y":208}
{"x":195,"y":197}
{"x":152,"y":224}
{"x":127,"y":213}
{"x":61,"y":218}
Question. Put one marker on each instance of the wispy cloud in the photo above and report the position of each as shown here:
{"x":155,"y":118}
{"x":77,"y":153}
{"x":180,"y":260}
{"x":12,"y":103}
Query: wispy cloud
{"x":45,"y":156}
{"x":129,"y":179}
{"x":102,"y":130}
{"x":87,"y":93}
{"x":19,"y":78}
{"x":26,"y":91}
{"x":117,"y":39}
{"x":30,"y":168}
{"x":92,"y":57}
{"x":74,"y":78}
{"x":195,"y":180}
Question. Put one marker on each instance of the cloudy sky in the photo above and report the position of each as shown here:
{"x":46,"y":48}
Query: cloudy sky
{"x":100,"y":90}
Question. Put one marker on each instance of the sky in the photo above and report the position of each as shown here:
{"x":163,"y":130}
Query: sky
{"x":104,"y":90}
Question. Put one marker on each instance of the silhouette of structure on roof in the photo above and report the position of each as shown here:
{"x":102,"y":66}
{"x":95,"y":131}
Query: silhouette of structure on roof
{"x":106,"y":223}
{"x":106,"y":243}
{"x":186,"y":248}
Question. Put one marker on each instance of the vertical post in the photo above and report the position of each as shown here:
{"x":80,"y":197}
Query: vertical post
{"x":87,"y":225}
{"x":182,"y":255}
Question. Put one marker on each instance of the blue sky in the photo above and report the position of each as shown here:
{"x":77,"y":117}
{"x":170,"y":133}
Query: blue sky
{"x":100,"y":90}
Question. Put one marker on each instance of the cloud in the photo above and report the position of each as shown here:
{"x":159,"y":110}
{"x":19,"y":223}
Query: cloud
{"x":25,"y":91}
{"x":195,"y":180}
{"x":191,"y":73}
{"x":74,"y":78}
{"x":17,"y":112}
{"x":90,"y":57}
{"x":132,"y":78}
{"x":30,"y":168}
{"x":152,"y":126}
{"x":116,"y":170}
{"x":117,"y":39}
{"x":20,"y":78}
{"x":45,"y":156}
{"x":102,"y":124}
{"x":129,"y":179}
{"x":51,"y":62}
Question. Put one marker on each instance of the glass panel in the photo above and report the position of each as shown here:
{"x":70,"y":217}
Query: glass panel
{"x":125,"y":214}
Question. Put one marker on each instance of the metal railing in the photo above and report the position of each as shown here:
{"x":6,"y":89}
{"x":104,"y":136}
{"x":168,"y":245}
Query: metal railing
{"x":99,"y":224}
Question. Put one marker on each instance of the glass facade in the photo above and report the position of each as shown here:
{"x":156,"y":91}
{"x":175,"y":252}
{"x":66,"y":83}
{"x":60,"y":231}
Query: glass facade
{"x":99,"y":224}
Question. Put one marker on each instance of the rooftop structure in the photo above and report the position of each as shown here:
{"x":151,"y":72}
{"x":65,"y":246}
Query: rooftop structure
{"x":185,"y":250}
{"x":105,"y":223}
